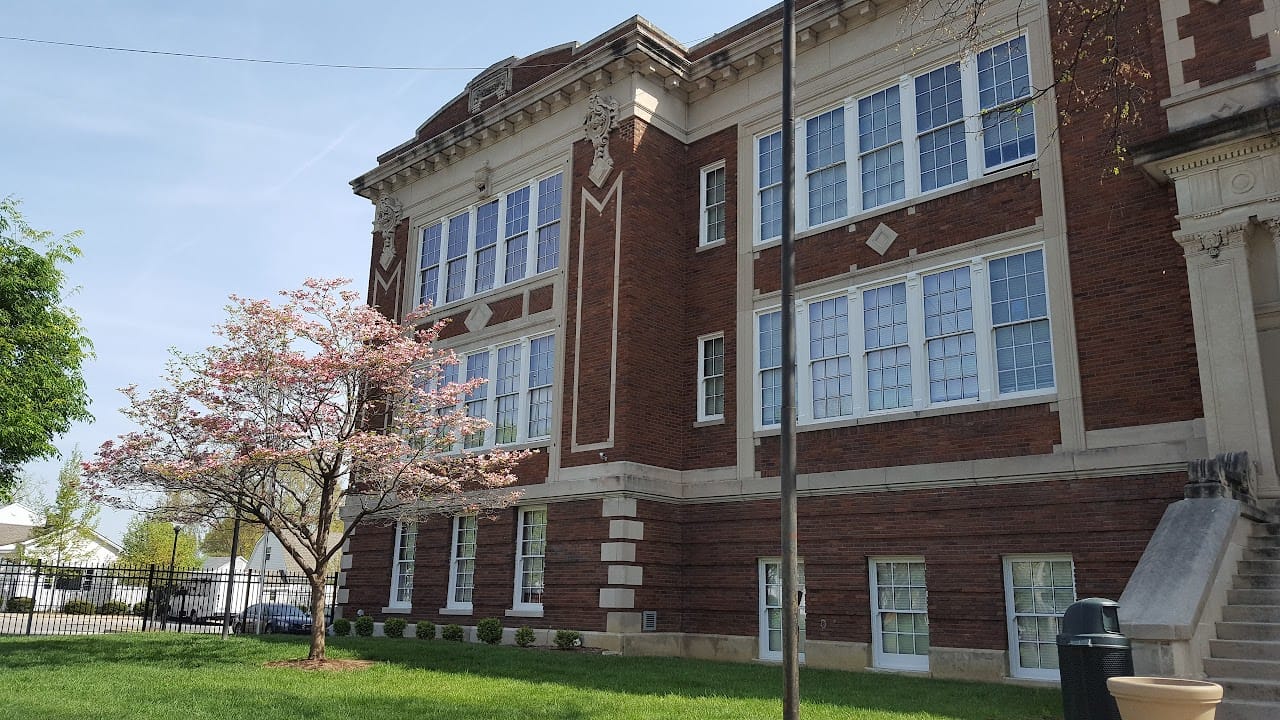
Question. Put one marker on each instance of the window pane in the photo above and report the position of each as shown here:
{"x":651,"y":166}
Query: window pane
{"x":1008,"y":127}
{"x":768,"y":185}
{"x":825,"y":166}
{"x":830,"y":369}
{"x":541,"y":364}
{"x":952,"y":347}
{"x":1019,"y":301}
{"x":713,"y":203}
{"x":770,"y":354}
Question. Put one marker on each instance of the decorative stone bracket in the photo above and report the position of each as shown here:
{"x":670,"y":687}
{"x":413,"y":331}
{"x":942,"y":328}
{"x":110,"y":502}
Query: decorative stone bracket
{"x":602,"y":118}
{"x":1229,"y":475}
{"x":385,"y":220}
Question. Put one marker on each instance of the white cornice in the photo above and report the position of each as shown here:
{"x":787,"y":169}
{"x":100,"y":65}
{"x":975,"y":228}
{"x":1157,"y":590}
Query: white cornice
{"x":646,"y":50}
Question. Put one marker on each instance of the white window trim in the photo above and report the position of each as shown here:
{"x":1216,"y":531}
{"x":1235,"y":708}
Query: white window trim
{"x":762,"y":633}
{"x":802,"y":175}
{"x":516,"y":603}
{"x":703,"y":174}
{"x":704,"y":416}
{"x":880,"y":658}
{"x":756,"y":189}
{"x":988,"y":388}
{"x":489,"y":391}
{"x":451,"y":603}
{"x":757,"y":394}
{"x":395,"y":566}
{"x":500,"y":255}
{"x":974,"y":150}
{"x":1011,"y":624}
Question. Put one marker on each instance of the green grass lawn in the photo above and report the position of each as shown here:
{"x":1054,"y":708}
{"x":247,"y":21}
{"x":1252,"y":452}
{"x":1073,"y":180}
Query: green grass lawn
{"x":160,"y":676}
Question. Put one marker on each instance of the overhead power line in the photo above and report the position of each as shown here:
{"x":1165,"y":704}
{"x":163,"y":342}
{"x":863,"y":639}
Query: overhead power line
{"x":231,"y":58}
{"x":263,"y":61}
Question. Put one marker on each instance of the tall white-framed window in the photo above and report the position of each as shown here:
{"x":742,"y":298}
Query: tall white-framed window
{"x":1008,"y":120}
{"x":711,"y":377}
{"x":769,"y":367}
{"x":1038,"y":589}
{"x":488,"y":245}
{"x":899,"y":613}
{"x":881,"y":160}
{"x":550,"y":192}
{"x":516,"y":231}
{"x":542,"y":354}
{"x":462,"y":562}
{"x":770,"y":639}
{"x":402,"y":564}
{"x":935,"y":129}
{"x":486,"y":251}
{"x":711,"y":222}
{"x":769,"y":186}
{"x":885,"y":342}
{"x":825,"y":174}
{"x":950,"y":342}
{"x":940,"y":128}
{"x":456,"y":267}
{"x":506,"y":389}
{"x":429,"y":264}
{"x":531,"y":556}
{"x":830,"y":367}
{"x":477,"y":400}
{"x":1020,"y":315}
{"x":958,"y":333}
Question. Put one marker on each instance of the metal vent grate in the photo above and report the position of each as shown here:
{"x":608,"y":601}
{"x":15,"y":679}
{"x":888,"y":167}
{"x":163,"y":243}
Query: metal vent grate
{"x":649,"y":620}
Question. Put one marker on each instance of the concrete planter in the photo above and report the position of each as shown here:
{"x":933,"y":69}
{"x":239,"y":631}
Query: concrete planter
{"x":1155,"y":698}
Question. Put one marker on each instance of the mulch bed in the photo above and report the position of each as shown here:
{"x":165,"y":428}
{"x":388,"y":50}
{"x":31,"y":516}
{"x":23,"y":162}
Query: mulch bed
{"x":323,"y":665}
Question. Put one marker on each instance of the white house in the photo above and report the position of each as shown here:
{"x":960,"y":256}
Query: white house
{"x":18,"y":525}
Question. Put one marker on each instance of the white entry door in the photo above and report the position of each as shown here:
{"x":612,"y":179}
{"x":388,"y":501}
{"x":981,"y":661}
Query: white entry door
{"x":771,"y":608}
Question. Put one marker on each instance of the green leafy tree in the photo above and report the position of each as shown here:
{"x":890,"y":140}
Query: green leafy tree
{"x":217,"y":539}
{"x":148,"y":541}
{"x":42,"y":344}
{"x":69,"y":521}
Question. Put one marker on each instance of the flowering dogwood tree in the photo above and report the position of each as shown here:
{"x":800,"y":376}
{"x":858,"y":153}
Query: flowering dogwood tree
{"x":309,"y":405}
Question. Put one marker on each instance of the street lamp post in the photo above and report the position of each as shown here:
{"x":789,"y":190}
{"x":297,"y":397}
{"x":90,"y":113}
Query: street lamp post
{"x":173,"y":559}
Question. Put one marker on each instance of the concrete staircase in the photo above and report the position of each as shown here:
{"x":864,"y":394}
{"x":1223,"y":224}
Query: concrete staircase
{"x":1245,"y":657}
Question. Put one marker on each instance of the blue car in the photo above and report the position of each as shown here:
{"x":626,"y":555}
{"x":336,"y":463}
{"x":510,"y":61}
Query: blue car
{"x":274,"y":618}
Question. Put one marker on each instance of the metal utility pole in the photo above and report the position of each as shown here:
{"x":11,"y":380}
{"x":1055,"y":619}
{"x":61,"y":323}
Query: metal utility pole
{"x":231,"y":576}
{"x":790,"y":590}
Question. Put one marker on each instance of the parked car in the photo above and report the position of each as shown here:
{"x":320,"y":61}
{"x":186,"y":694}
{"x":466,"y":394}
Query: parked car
{"x":274,"y":618}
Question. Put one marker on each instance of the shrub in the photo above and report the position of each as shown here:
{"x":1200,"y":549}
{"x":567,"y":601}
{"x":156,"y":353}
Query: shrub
{"x":140,"y":608}
{"x":489,"y":630}
{"x":341,"y":626}
{"x":425,"y":630}
{"x":19,"y":604}
{"x":79,"y":607}
{"x":364,"y":626}
{"x":113,"y":607}
{"x":568,"y":639}
{"x":451,"y":632}
{"x":394,"y":627}
{"x":524,"y":636}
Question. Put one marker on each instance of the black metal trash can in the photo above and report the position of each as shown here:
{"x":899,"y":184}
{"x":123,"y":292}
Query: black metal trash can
{"x":1090,"y":650}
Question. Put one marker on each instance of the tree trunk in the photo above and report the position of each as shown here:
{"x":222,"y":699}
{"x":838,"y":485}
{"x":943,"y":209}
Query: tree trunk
{"x":318,"y":624}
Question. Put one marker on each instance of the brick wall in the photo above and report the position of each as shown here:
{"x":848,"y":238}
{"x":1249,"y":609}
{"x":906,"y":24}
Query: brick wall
{"x":936,"y":224}
{"x":1004,"y":432}
{"x":962,"y":533}
{"x":1225,"y":46}
{"x":711,"y":288}
{"x":1129,"y":280}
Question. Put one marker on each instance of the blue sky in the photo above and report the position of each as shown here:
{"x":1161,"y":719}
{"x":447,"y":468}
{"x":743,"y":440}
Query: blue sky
{"x":193,"y":179}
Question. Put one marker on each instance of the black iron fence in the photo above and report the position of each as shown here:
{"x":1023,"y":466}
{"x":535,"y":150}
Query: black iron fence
{"x":40,"y":599}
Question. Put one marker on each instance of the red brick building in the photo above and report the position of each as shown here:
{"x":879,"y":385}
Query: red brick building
{"x":1003,"y":366}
